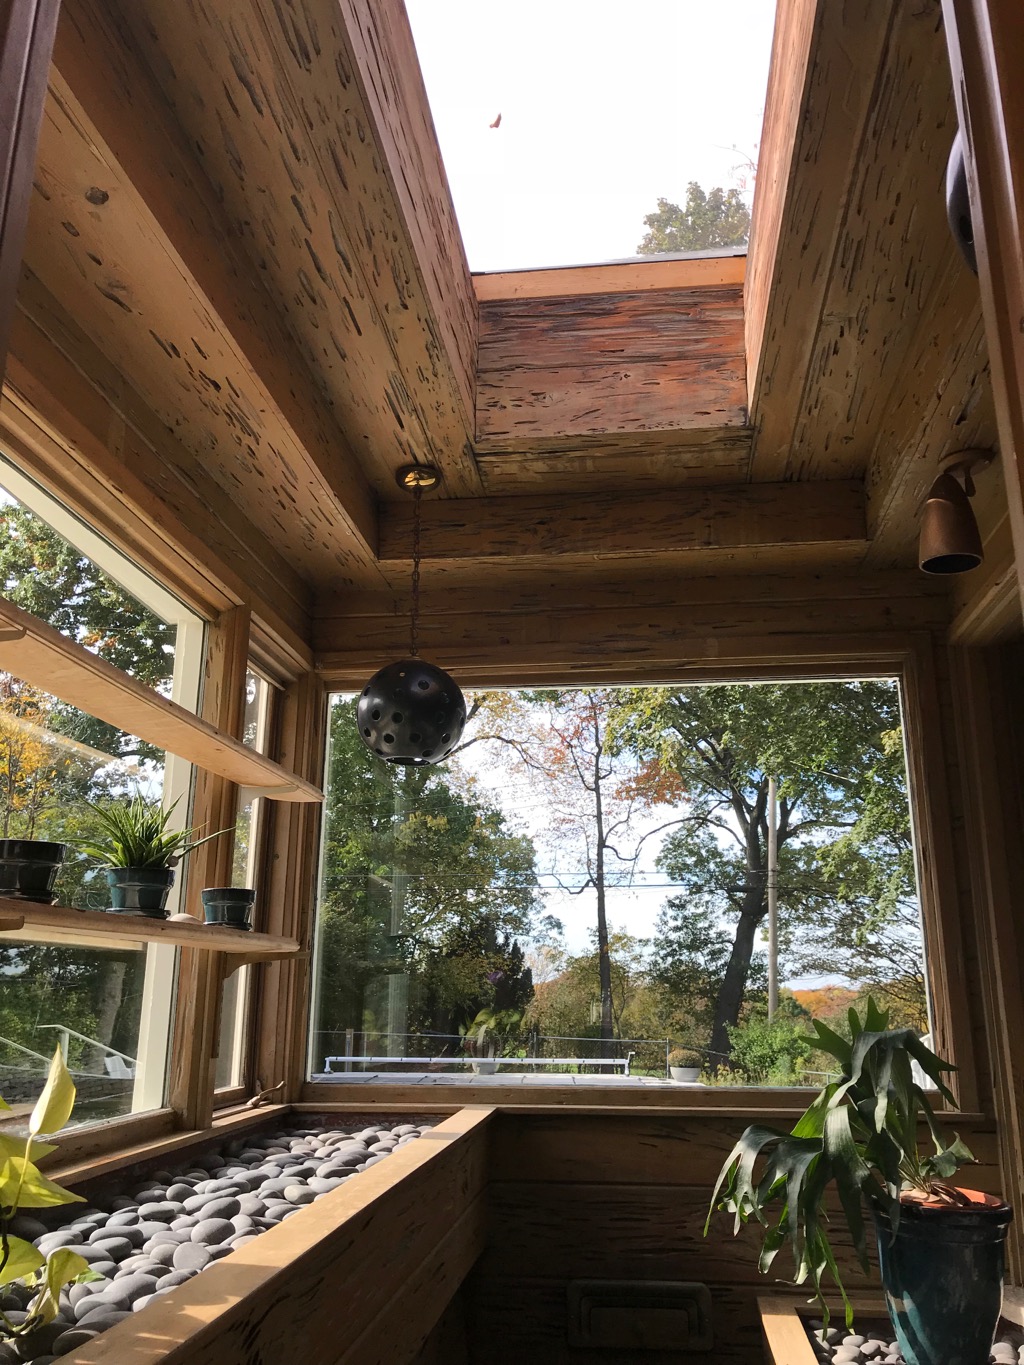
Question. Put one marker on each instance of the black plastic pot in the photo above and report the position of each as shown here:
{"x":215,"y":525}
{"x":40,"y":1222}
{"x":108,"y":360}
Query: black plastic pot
{"x":29,"y":867}
{"x":229,"y":906}
{"x":140,"y":890}
{"x":943,"y":1280}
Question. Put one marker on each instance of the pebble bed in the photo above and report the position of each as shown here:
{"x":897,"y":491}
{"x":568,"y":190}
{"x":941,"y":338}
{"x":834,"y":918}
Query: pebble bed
{"x":175,"y":1224}
{"x":874,"y":1343}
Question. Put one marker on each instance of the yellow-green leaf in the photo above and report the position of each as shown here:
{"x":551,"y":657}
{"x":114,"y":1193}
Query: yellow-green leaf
{"x":22,"y":1259}
{"x":53,"y":1108}
{"x":31,"y":1189}
{"x":3,"y":1103}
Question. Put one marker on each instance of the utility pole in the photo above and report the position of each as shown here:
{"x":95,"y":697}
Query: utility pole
{"x":773,"y":898}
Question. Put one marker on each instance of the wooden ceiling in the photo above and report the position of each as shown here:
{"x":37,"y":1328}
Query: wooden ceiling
{"x":242,"y":207}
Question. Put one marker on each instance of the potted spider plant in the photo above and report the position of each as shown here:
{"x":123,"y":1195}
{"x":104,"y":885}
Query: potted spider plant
{"x":941,"y":1247}
{"x":140,"y":854}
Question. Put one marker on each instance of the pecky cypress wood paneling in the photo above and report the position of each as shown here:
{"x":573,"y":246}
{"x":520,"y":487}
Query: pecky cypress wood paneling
{"x":600,"y":363}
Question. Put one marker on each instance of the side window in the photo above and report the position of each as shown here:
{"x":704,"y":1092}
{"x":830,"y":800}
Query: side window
{"x":107,"y":1005}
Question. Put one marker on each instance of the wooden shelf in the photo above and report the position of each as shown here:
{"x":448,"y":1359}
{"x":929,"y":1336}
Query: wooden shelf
{"x":16,"y":915}
{"x":42,"y":657}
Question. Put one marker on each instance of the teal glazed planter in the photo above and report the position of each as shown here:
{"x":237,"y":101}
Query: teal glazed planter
{"x":228,"y":906}
{"x":140,"y":890}
{"x":943,"y":1279}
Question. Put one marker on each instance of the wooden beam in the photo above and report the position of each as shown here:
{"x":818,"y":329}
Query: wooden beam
{"x":825,"y":61}
{"x":27,"y":28}
{"x":255,"y":384}
{"x":747,"y":516}
{"x":986,"y":51}
{"x":622,"y":277}
{"x":597,"y":364}
{"x":321,"y":106}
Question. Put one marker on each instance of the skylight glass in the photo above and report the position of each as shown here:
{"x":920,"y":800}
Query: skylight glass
{"x":562,"y":123}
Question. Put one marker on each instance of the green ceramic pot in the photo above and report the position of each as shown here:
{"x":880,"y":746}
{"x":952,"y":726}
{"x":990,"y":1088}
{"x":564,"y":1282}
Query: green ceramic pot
{"x":140,"y":890}
{"x":230,"y":906}
{"x":943,"y":1279}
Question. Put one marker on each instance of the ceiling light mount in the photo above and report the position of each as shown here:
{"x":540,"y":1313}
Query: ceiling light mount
{"x":413,"y":477}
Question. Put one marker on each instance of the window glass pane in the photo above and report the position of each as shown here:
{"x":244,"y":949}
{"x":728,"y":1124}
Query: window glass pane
{"x":231,"y":1047}
{"x":107,"y":1003}
{"x":584,"y":887}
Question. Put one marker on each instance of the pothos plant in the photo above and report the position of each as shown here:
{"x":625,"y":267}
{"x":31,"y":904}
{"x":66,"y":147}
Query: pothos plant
{"x":860,"y":1135}
{"x":23,"y":1186}
{"x":488,"y":1029}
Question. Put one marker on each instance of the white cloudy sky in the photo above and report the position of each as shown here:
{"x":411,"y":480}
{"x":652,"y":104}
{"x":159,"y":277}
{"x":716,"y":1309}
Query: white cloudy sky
{"x":604,"y":107}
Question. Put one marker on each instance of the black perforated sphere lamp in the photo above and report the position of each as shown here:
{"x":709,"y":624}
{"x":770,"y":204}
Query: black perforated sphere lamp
{"x":412,"y":712}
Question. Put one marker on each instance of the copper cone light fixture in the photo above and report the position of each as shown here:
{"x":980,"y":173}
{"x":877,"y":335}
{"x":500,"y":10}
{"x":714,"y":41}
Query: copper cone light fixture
{"x":412,"y":712}
{"x":950,"y":541}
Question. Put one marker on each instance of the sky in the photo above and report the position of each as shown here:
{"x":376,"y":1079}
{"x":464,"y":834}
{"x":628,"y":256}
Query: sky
{"x":605,"y":107}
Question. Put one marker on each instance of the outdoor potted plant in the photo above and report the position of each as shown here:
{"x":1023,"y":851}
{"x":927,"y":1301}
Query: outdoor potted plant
{"x":140,"y":854}
{"x":484,"y":1035}
{"x":29,"y":867}
{"x":228,"y":906}
{"x":941,"y":1247}
{"x":684,"y":1064}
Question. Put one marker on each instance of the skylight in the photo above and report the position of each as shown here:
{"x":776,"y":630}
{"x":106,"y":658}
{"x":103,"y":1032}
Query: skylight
{"x":563,"y":122}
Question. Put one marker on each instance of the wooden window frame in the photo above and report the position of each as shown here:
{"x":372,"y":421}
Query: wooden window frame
{"x":920,"y":664}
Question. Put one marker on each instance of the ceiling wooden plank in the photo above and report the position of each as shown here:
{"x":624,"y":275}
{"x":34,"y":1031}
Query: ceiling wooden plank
{"x":285,"y":121}
{"x":897,"y":274}
{"x":603,"y":363}
{"x":796,"y":23}
{"x":102,"y":94}
{"x":825,"y":125}
{"x":649,"y":459}
{"x":675,"y":522}
{"x":388,"y":73}
{"x":620,"y":277}
{"x":26,"y":42}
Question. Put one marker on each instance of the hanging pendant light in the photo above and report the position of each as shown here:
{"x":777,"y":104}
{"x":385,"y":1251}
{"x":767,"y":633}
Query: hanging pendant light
{"x":412,"y":712}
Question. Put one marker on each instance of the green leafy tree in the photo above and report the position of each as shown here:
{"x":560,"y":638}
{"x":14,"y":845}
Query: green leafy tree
{"x":709,"y":218}
{"x":845,"y":861}
{"x":421,"y":881}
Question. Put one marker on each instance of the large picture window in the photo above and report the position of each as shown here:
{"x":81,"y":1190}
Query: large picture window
{"x":586,"y":888}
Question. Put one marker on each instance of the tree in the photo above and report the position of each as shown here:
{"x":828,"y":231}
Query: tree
{"x":594,"y":794}
{"x":845,"y":860}
{"x":423,"y":883}
{"x":712,"y":218}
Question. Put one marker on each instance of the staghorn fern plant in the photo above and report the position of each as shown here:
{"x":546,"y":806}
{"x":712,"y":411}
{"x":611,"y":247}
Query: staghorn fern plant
{"x":137,"y":835}
{"x":861,"y":1135}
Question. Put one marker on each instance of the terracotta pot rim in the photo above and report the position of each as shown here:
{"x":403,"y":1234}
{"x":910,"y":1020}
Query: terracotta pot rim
{"x":978,"y":1200}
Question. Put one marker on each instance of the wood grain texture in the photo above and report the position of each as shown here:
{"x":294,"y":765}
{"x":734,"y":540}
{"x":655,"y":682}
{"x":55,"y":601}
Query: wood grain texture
{"x":601,"y":363}
{"x":622,"y":277}
{"x":129,"y":235}
{"x":594,"y":464}
{"x":985,"y":40}
{"x":282,"y":992}
{"x":85,"y":434}
{"x":342,"y":1266}
{"x":299,"y":142}
{"x":831,"y":106}
{"x":27,"y":29}
{"x":751,"y":515}
{"x":635,"y":629}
